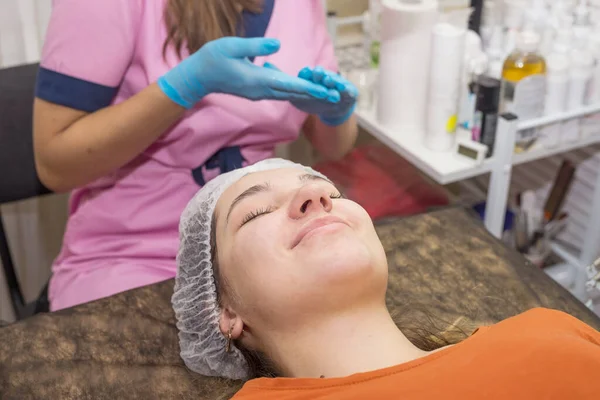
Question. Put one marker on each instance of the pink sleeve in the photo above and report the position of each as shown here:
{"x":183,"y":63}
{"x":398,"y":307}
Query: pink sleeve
{"x":92,"y":40}
{"x":325,"y":51}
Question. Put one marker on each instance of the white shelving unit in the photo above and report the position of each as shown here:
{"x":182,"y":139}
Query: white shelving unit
{"x":448,"y":167}
{"x":444,"y":168}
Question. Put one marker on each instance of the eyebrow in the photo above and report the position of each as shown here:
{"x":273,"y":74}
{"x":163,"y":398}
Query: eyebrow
{"x":311,"y":177}
{"x":251,"y":191}
{"x":266,"y":187}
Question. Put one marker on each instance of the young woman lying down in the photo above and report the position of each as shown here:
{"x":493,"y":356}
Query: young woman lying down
{"x":282,"y":282}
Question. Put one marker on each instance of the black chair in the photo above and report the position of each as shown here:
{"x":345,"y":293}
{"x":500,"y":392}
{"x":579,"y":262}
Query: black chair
{"x":18,"y":176}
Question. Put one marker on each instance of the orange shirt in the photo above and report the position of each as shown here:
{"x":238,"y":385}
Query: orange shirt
{"x":540,"y":354}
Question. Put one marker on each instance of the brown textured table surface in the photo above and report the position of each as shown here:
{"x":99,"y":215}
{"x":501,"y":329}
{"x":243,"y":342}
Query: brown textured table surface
{"x":125,"y":347}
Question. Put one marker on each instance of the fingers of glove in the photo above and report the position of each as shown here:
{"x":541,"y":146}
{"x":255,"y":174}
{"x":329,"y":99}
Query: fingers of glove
{"x":346,"y":88}
{"x":283,"y":82}
{"x":241,"y":47}
{"x":318,"y":74}
{"x":350,"y":91}
{"x":328,"y":79}
{"x":306,"y":73}
{"x":275,"y":94}
{"x":309,"y":74}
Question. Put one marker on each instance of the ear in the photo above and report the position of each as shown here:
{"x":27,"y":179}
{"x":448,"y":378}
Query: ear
{"x":229,"y":320}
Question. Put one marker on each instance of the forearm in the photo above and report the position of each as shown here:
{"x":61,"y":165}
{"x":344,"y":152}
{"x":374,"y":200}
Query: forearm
{"x":98,"y":143}
{"x":331,"y":142}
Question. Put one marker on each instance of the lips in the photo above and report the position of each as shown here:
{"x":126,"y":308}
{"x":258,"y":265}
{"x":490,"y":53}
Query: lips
{"x":316,"y":224}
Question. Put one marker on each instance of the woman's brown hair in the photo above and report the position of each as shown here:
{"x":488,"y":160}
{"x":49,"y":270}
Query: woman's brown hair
{"x":196,"y":22}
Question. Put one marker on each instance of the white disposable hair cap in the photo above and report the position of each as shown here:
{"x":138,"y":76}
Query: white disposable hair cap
{"x":195,"y":298}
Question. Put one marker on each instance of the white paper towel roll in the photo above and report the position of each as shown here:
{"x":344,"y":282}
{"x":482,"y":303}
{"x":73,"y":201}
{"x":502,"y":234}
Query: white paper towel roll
{"x":406,"y":27}
{"x":445,"y":71}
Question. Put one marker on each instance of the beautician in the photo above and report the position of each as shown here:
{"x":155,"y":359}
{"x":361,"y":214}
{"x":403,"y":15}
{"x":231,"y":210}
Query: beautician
{"x":141,"y":102}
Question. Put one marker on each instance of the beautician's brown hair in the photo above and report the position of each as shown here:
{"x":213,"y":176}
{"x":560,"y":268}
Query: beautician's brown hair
{"x":195,"y":22}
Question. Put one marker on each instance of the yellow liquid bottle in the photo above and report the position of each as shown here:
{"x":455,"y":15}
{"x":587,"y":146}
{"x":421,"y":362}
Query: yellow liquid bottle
{"x":524,"y":84}
{"x":520,"y":65}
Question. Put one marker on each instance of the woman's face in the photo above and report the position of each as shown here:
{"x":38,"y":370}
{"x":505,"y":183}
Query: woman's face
{"x":291,"y":250}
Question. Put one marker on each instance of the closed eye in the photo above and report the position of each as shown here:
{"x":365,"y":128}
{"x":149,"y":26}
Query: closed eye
{"x":255,"y":214}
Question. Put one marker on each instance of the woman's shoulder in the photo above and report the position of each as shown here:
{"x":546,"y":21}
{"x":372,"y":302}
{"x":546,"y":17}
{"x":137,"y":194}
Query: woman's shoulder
{"x":540,"y":315}
{"x":547,"y":320}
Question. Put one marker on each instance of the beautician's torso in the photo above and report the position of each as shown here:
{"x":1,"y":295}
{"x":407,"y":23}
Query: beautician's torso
{"x":123,"y":229}
{"x":540,"y":354}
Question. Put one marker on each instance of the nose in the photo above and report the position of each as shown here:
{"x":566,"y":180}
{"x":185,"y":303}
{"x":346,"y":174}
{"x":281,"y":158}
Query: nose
{"x":309,"y":199}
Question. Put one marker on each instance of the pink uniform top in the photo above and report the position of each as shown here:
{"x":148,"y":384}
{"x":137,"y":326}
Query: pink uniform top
{"x":122,"y":230}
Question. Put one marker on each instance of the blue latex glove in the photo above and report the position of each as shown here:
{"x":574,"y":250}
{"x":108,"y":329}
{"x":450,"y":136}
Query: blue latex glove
{"x":335,"y":110}
{"x":222,"y":66}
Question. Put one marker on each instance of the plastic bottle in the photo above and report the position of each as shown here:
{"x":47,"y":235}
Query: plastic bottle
{"x":332,"y":26}
{"x":524,"y":82}
{"x":374,"y":31}
{"x":558,"y":65}
{"x":495,"y":52}
{"x":523,"y":66}
{"x":594,"y":48}
{"x":514,"y":11}
{"x":489,"y":20}
{"x":580,"y":76}
{"x":582,"y":69}
{"x":581,"y":24}
{"x":536,"y":16}
{"x":591,"y":124}
{"x":536,"y":19}
{"x":569,"y":5}
{"x":581,"y":72}
{"x":475,"y":64}
{"x":486,"y":114}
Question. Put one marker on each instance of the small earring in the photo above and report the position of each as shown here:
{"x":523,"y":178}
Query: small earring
{"x":228,"y":345}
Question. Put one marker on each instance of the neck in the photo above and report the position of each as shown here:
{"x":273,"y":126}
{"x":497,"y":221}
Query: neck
{"x":361,"y":340}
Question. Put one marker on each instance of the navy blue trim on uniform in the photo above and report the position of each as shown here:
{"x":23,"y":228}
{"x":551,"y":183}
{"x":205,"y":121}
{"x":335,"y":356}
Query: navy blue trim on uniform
{"x":227,"y":160}
{"x":72,"y":92}
{"x":230,"y":158}
{"x":256,"y":25}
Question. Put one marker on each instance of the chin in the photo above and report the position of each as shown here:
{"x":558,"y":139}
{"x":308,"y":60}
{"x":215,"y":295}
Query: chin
{"x":343,"y":259}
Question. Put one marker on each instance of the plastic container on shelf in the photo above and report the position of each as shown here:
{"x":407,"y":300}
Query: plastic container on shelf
{"x":374,"y":31}
{"x":365,"y":80}
{"x":495,"y":52}
{"x":557,"y":83}
{"x":580,"y":76}
{"x":524,"y":84}
{"x":557,"y":89}
{"x":514,"y":13}
{"x":581,"y":23}
{"x":476,"y":63}
{"x":591,"y":124}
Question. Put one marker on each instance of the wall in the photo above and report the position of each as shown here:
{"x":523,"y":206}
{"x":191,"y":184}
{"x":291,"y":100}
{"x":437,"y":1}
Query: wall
{"x":34,"y":227}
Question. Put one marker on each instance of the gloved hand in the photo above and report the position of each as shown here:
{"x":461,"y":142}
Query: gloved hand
{"x":222,"y":66}
{"x":335,"y":110}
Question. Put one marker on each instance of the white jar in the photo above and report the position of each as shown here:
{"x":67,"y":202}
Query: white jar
{"x":557,"y":83}
{"x":557,"y":89}
{"x":582,"y":68}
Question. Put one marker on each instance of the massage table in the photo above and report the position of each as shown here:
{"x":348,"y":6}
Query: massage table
{"x":126,"y":346}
